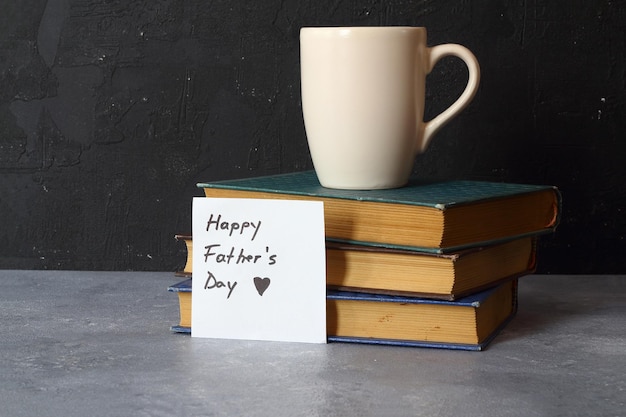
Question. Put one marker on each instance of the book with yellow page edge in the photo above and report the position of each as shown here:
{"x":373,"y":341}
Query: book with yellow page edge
{"x":187,"y":269}
{"x":183,"y":290}
{"x":441,"y":276}
{"x":428,"y":216}
{"x":430,"y":275}
{"x":469,"y":323}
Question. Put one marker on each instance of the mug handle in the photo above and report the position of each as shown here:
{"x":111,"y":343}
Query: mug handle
{"x":435,"y":54}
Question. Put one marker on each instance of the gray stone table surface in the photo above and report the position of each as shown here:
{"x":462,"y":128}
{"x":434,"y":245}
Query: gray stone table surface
{"x":98,"y":344}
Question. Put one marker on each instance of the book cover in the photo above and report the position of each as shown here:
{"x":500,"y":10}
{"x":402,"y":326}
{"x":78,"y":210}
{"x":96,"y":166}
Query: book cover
{"x":186,"y":271}
{"x":428,"y":216}
{"x":447,"y":276}
{"x":182,"y":286}
{"x":470,"y":323}
{"x":181,"y":329}
{"x":183,"y":290}
{"x":497,"y":307}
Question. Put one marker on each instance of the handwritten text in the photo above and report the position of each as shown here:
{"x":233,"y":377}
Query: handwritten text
{"x":233,"y":227}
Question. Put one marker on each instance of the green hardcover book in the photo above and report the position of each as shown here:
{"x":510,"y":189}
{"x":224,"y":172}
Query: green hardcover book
{"x":427,"y":216}
{"x":446,"y":276}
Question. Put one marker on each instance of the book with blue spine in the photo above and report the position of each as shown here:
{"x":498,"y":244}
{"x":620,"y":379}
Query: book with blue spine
{"x":469,"y":323}
{"x":183,"y":290}
{"x":438,"y":217}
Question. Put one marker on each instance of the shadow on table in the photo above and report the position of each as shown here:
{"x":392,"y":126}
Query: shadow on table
{"x":563,"y":305}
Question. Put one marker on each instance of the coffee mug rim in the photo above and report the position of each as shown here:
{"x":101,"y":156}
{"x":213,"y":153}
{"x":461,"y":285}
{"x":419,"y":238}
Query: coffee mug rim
{"x":361,"y":32}
{"x":358,"y":28}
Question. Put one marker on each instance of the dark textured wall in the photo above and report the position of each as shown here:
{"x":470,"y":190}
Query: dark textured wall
{"x":111,"y":111}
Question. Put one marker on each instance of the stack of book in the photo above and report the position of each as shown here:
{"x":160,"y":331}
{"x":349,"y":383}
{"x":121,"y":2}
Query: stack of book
{"x":183,"y":288}
{"x":431,"y":264}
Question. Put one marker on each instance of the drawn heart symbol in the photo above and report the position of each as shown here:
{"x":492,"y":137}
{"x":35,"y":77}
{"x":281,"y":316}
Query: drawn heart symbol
{"x":261,"y":284}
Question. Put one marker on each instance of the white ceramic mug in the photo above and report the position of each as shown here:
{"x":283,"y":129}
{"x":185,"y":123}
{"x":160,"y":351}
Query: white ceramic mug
{"x":363,"y":101}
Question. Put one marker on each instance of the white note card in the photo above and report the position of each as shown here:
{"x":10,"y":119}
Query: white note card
{"x":259,"y":270}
